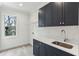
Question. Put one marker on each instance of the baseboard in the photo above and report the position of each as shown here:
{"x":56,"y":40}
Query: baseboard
{"x":16,"y":47}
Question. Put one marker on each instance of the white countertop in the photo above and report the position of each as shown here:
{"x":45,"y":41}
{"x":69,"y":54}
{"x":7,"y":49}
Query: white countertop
{"x":48,"y":41}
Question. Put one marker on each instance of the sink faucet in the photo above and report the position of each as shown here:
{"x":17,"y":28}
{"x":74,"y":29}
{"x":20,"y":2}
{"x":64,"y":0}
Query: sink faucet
{"x":65,"y":38}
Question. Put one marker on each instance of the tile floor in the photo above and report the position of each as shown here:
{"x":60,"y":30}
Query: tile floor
{"x":22,"y":51}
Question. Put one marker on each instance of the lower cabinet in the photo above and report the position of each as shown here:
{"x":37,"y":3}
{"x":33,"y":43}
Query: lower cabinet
{"x":52,"y":51}
{"x":38,"y":48}
{"x":41,"y":49}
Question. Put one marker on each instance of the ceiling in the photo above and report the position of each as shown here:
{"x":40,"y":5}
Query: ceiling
{"x":27,"y":6}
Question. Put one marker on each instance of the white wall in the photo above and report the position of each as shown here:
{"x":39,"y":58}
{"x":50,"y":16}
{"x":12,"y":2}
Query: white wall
{"x":22,"y":29}
{"x":55,"y":32}
{"x":33,"y":22}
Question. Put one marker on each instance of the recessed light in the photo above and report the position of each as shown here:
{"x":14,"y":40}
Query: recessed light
{"x":20,"y":4}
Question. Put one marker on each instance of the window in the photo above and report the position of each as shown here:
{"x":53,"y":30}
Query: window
{"x":10,"y":25}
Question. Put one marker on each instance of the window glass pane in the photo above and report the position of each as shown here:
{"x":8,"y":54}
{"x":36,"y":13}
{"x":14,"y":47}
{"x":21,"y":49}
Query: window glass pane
{"x":10,"y":25}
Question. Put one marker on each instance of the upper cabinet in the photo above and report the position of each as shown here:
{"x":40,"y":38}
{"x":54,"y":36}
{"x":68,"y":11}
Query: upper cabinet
{"x":71,"y":13}
{"x":41,"y":16}
{"x":58,"y":14}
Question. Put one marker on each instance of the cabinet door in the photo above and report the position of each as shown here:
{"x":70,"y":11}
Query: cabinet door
{"x":60,"y":13}
{"x":42,"y":51}
{"x":54,"y":14}
{"x":36,"y":47}
{"x":36,"y":50}
{"x":51,"y":14}
{"x":41,"y":17}
{"x":71,"y":13}
{"x":50,"y":51}
{"x":62,"y":53}
{"x":48,"y":15}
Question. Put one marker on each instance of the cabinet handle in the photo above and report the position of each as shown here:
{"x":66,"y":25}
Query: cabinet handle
{"x":60,"y":22}
{"x":63,"y":23}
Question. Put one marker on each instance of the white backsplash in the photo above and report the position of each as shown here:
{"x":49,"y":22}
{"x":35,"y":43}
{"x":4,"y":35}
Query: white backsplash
{"x":72,"y":33}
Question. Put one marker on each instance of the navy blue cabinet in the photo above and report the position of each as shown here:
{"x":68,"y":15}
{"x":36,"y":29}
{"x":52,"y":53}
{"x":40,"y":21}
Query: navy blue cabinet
{"x":41,"y":14}
{"x":52,"y":51}
{"x":47,"y":15}
{"x":42,"y":49}
{"x":38,"y":48}
{"x":58,"y":14}
{"x":70,"y":13}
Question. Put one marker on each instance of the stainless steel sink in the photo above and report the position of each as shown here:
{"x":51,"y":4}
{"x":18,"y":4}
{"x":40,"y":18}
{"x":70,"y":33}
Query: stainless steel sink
{"x":65,"y":45}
